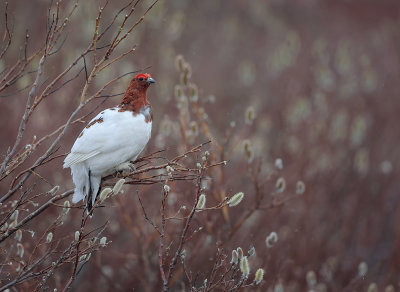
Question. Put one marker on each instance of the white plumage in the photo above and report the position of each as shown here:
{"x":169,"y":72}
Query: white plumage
{"x":110,"y":141}
{"x":104,"y":148}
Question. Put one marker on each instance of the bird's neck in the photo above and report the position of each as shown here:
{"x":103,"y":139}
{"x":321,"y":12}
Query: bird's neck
{"x":134,"y":100}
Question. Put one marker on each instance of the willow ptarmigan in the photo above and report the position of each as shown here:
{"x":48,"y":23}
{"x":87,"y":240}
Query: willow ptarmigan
{"x":110,"y":141}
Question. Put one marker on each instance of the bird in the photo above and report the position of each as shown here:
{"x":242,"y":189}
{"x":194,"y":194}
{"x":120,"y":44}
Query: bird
{"x":110,"y":141}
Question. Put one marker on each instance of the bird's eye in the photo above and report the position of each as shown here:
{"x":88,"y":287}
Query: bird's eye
{"x":141,"y":79}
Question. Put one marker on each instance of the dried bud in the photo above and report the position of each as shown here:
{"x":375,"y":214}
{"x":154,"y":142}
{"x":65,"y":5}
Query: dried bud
{"x":249,"y":115}
{"x":4,"y":227}
{"x":194,"y":128}
{"x":372,"y":287}
{"x":183,"y":254}
{"x":184,"y":79}
{"x":300,"y":187}
{"x":178,"y":92}
{"x":104,"y":193}
{"x":187,"y":70}
{"x":244,"y":267}
{"x":240,"y":252}
{"x":389,"y":288}
{"x":386,"y":167}
{"x":193,"y":92}
{"x":18,"y":235}
{"x":235,"y":257}
{"x":280,"y":185}
{"x":18,"y":269}
{"x":118,"y":186}
{"x":201,"y":202}
{"x":14,"y":215}
{"x":248,"y":150}
{"x":311,"y":279}
{"x":103,"y":241}
{"x":13,"y":224}
{"x":53,"y":190}
{"x":236,"y":199}
{"x":362,"y":269}
{"x":67,"y":206}
{"x":77,"y":233}
{"x":271,"y":239}
{"x":179,"y":60}
{"x":49,"y":237}
{"x":252,"y":251}
{"x":20,"y":250}
{"x":82,"y":257}
{"x":259,"y":276}
{"x":279,"y":163}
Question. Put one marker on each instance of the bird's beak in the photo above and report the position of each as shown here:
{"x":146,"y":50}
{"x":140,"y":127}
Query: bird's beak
{"x":150,"y":80}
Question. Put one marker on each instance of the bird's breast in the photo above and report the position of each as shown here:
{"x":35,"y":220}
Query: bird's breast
{"x":147,"y":113}
{"x":139,"y":127}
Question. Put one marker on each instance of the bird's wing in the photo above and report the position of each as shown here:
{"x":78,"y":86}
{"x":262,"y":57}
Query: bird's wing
{"x":76,"y":157}
{"x":99,"y":136}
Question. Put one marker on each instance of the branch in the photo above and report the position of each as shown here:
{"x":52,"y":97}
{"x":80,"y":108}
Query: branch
{"x":32,"y":215}
{"x":8,"y":32}
{"x":183,"y":234}
{"x":25,"y":116}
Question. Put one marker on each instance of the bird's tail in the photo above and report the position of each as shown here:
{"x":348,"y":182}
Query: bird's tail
{"x":94,"y":189}
{"x":87,"y":185}
{"x":80,"y":176}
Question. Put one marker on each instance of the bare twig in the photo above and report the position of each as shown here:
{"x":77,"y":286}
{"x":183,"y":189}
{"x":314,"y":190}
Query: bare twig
{"x":8,"y":32}
{"x":22,"y":125}
{"x":32,"y":215}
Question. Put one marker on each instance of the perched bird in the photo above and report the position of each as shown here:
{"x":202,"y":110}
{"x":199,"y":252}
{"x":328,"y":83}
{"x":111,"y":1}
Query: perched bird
{"x":110,"y":141}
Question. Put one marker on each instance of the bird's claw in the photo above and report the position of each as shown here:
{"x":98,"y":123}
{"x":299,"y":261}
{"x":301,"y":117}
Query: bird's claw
{"x":126,"y":167}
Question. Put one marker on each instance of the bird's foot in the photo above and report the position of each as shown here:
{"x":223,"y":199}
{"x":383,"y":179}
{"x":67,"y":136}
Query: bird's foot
{"x":126,"y":167}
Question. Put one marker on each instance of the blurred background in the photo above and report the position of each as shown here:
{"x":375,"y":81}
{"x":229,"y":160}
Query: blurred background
{"x":322,"y":78}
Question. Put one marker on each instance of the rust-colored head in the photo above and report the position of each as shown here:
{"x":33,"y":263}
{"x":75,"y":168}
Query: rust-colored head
{"x":142,"y":81}
{"x":135,"y":96}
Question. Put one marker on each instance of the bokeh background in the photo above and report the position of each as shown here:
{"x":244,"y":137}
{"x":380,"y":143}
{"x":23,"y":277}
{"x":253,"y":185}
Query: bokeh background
{"x":323,"y":79}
